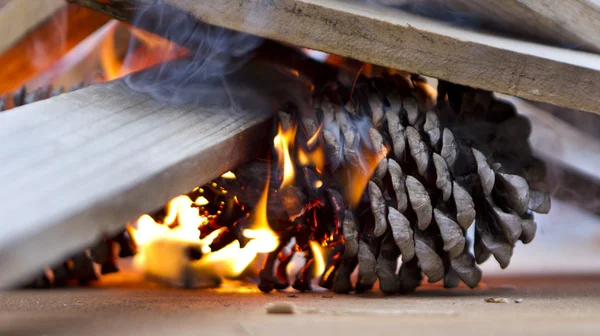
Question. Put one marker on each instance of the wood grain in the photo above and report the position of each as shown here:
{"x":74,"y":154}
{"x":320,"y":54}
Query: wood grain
{"x":84,"y":163}
{"x":403,"y":41}
{"x":564,"y":23}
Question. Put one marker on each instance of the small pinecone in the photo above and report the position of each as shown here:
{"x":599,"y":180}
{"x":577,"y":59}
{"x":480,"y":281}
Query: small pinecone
{"x":467,"y":160}
{"x":81,"y":267}
{"x":22,"y":96}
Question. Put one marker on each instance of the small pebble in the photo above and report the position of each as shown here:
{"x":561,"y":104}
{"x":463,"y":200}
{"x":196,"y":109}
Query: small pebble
{"x":519,"y":300}
{"x":280,"y":308}
{"x":293,"y":296}
{"x":327,"y":296}
{"x":496,"y":300}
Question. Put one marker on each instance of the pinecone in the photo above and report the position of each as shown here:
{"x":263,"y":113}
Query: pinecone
{"x":465,"y":161}
{"x":80,"y":267}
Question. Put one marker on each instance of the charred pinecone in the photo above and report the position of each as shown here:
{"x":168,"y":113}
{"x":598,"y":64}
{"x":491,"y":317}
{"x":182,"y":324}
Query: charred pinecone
{"x":465,"y":161}
{"x":298,"y":213}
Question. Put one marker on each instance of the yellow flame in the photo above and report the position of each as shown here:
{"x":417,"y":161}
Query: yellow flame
{"x":313,"y":139}
{"x":201,"y":201}
{"x":229,"y":175}
{"x":263,"y":240}
{"x":162,"y":250}
{"x":260,"y":229}
{"x":315,"y":157}
{"x":283,"y":141}
{"x":319,"y":259}
{"x":180,"y":209}
{"x":331,"y":268}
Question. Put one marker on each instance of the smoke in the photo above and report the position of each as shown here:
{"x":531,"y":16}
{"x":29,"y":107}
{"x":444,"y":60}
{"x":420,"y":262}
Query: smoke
{"x":210,"y":73}
{"x":214,"y":53}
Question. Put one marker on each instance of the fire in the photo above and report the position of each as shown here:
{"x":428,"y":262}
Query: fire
{"x":261,"y":231}
{"x":360,"y":175}
{"x":315,"y":157}
{"x":315,"y":137}
{"x":92,"y":49}
{"x":153,"y":50}
{"x":229,"y":175}
{"x":164,"y":248}
{"x":283,"y":141}
{"x":319,"y":258}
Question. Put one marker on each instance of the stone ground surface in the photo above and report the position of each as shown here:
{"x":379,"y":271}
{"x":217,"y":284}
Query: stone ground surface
{"x":126,"y":305}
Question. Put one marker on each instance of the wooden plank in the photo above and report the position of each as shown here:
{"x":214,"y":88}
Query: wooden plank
{"x":18,"y":17}
{"x":403,"y":41}
{"x":564,"y":23}
{"x":84,"y":163}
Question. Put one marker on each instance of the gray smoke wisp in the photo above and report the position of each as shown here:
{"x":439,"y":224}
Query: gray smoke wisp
{"x":210,"y":73}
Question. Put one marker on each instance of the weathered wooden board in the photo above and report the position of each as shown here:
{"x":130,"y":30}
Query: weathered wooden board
{"x":564,"y":23}
{"x":404,"y":41}
{"x":84,"y":163}
{"x":18,"y":17}
{"x":411,"y":43}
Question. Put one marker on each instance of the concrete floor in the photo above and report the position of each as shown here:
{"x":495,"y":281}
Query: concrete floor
{"x":126,"y":305}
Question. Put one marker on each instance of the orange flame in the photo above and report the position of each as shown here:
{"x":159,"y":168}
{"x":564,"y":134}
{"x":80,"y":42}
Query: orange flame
{"x":260,"y":222}
{"x":283,"y":142}
{"x":264,"y":240}
{"x":313,"y":139}
{"x":319,"y":259}
{"x":359,"y":176}
{"x":154,"y":50}
{"x":162,"y":250}
{"x":315,"y":157}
